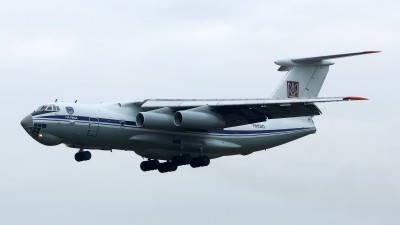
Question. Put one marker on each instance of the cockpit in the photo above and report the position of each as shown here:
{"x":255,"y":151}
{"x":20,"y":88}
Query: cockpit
{"x":49,"y":107}
{"x":46,"y":109}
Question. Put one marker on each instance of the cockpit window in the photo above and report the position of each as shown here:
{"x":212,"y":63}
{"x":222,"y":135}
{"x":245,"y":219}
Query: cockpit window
{"x":49,"y":107}
{"x":43,"y":108}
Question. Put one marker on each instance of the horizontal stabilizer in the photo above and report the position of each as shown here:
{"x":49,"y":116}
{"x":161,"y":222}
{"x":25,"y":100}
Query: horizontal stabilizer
{"x":320,"y":58}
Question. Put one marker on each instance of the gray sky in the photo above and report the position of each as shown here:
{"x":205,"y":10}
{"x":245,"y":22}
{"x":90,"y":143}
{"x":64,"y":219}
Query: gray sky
{"x":97,"y":51}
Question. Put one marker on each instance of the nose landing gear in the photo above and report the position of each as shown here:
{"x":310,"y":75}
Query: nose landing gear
{"x":83,"y":156}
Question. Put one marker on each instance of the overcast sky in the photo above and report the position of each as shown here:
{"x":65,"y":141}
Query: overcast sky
{"x":98,"y":51}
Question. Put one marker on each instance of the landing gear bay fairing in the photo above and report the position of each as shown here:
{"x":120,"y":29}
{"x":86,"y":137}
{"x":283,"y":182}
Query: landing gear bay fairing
{"x":190,"y":132}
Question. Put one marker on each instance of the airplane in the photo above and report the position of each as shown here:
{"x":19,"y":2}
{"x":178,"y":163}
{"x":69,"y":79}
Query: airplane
{"x":191,"y":132}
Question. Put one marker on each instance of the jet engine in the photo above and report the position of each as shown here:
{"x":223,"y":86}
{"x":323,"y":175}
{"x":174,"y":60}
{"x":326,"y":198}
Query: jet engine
{"x":153,"y":120}
{"x":198,"y":120}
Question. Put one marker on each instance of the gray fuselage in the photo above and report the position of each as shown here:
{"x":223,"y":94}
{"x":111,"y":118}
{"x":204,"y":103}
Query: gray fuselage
{"x":112,"y":126}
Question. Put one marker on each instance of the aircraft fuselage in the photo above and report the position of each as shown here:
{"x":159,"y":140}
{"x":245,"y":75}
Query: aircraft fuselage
{"x":112,"y":126}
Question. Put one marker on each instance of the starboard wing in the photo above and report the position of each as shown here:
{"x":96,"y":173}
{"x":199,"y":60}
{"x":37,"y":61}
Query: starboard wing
{"x":238,"y":112}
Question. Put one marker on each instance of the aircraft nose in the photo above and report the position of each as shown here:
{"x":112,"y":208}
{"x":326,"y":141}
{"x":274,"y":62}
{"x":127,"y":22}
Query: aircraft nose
{"x":27,"y":121}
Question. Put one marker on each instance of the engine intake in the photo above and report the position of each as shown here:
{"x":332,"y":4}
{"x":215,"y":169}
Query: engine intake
{"x":198,"y":120}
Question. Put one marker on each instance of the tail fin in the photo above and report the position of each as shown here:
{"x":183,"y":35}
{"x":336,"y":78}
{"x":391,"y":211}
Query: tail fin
{"x":306,"y":76}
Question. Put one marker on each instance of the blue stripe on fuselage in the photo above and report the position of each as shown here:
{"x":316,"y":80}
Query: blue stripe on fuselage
{"x":255,"y":131}
{"x":85,"y":119}
{"x":113,"y":122}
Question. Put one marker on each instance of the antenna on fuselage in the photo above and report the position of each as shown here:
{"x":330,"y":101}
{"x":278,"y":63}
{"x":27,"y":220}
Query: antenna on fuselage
{"x":76,"y":101}
{"x":56,"y":100}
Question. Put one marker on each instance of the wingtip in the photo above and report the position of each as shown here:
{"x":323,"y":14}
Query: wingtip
{"x":369,"y":52}
{"x":349,"y":98}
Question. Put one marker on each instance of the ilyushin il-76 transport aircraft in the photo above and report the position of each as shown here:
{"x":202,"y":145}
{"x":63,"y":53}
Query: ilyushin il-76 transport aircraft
{"x":191,"y":132}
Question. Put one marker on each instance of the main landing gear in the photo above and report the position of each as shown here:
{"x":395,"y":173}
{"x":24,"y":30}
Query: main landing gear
{"x":200,"y":161}
{"x":149,"y":165}
{"x":82,"y":155}
{"x":176,"y":161}
{"x":154,"y":164}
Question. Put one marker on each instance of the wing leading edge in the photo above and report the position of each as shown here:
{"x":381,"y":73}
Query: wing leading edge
{"x":191,"y":103}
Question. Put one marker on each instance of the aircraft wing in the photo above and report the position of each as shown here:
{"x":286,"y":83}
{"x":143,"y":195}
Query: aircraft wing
{"x":236,"y":112}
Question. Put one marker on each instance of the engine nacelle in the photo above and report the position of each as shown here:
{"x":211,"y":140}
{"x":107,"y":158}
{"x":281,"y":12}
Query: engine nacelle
{"x":151,"y":120}
{"x":198,"y":120}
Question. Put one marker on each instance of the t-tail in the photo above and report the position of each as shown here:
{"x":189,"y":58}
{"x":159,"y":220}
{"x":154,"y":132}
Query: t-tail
{"x":306,"y":76}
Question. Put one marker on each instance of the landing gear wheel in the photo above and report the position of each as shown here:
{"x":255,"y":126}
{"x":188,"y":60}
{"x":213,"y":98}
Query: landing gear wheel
{"x":167,"y":167}
{"x":154,"y":164}
{"x":78,"y":157}
{"x":149,"y":165}
{"x":195,"y":162}
{"x":200,"y":161}
{"x":144,"y":166}
{"x":177,"y":160}
{"x":172,"y":167}
{"x":186,"y":159}
{"x":162,"y":168}
{"x":83,"y":156}
{"x":204,"y":160}
{"x":181,"y":160}
{"x":86,"y":155}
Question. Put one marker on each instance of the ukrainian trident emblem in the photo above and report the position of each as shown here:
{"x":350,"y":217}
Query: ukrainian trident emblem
{"x":292,"y":89}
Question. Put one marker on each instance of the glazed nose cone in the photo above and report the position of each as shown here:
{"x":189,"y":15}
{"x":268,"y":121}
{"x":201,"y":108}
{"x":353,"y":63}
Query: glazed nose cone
{"x":27,"y":121}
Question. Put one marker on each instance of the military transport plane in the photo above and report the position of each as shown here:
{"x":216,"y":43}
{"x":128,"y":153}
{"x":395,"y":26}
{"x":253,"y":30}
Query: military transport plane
{"x":190,"y":132}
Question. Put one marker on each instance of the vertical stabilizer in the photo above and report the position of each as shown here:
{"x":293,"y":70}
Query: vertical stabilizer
{"x":302,"y":82}
{"x":306,"y":76}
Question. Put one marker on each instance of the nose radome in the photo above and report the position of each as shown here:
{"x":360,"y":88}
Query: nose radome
{"x":27,"y":121}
